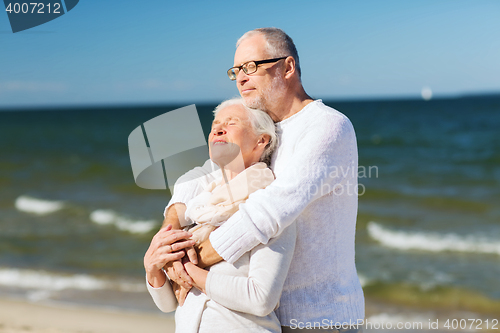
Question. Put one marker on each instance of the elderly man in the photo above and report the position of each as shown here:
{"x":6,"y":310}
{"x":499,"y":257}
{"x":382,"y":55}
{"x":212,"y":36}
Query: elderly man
{"x":315,"y":165}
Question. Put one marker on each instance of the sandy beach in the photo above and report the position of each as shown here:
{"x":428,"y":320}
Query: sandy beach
{"x":21,"y":317}
{"x":17,"y":316}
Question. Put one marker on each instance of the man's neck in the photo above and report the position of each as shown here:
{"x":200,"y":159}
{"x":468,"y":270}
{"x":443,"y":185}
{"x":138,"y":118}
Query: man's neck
{"x":290,"y":106}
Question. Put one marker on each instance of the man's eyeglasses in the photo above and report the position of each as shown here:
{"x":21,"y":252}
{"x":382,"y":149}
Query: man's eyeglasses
{"x":249,"y":67}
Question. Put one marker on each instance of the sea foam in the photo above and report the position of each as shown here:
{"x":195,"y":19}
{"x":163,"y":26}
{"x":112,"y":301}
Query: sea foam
{"x":42,"y":280}
{"x":363,"y":280}
{"x":32,"y":205}
{"x":407,"y":321}
{"x":435,"y":242}
{"x":110,"y":217}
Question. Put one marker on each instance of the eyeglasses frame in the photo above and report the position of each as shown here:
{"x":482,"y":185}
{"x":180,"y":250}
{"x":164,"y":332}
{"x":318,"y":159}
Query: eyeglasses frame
{"x":257,"y":63}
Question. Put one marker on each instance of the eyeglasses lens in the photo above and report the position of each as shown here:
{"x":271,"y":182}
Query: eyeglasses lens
{"x":250,"y":67}
{"x":232,"y":73}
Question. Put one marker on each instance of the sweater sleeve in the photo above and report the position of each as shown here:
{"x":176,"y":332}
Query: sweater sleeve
{"x":323,"y":160}
{"x":163,"y":297}
{"x":192,"y":183}
{"x":259,"y":293}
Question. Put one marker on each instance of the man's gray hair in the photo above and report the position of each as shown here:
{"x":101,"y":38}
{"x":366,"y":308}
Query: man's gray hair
{"x":279,"y":44}
{"x":261,"y":124}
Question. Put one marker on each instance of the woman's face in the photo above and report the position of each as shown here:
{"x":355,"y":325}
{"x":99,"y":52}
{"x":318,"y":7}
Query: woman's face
{"x":231,"y":133}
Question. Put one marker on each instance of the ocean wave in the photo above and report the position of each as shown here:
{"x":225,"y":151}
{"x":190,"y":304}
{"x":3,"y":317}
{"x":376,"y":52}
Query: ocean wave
{"x":434,"y":242}
{"x":32,"y":205}
{"x":399,"y":318}
{"x":45,"y":281}
{"x":399,"y":321}
{"x":363,"y":280}
{"x":110,"y":217}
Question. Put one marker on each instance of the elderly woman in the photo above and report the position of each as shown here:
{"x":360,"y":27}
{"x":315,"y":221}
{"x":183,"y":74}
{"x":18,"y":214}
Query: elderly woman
{"x":237,"y":297}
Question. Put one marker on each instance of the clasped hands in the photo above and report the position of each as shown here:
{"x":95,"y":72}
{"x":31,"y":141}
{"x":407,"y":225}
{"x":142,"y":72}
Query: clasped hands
{"x":173,"y":251}
{"x":180,"y":279}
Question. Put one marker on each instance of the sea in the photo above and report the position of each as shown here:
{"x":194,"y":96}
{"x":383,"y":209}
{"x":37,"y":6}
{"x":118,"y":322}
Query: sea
{"x":74,"y":226}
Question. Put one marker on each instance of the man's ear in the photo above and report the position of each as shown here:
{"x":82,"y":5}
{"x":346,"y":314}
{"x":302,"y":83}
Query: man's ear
{"x":289,"y":67}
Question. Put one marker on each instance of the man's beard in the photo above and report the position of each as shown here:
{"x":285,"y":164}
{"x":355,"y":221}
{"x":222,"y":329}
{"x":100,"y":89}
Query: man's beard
{"x":270,"y":96}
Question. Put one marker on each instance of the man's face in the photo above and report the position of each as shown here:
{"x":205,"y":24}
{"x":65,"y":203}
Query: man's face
{"x":265,"y":87}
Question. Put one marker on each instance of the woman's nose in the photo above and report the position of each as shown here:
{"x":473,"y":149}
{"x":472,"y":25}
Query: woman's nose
{"x":219,"y":130}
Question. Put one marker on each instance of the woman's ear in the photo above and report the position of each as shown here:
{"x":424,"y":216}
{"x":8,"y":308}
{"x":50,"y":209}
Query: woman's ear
{"x":263,"y":140}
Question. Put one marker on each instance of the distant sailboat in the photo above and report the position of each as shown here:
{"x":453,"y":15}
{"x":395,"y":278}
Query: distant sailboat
{"x":426,"y":93}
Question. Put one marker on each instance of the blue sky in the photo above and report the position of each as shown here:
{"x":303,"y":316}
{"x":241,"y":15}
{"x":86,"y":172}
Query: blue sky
{"x":150,"y":52}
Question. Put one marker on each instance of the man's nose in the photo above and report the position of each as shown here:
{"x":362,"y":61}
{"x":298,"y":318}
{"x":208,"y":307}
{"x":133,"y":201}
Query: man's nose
{"x":241,"y":78}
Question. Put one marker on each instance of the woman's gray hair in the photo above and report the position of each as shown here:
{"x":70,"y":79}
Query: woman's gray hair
{"x":279,"y":44}
{"x":261,"y":124}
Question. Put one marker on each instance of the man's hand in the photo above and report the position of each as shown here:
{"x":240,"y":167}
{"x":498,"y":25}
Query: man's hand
{"x":176,"y":272}
{"x":180,"y":293}
{"x":207,"y":257}
{"x":199,"y":277}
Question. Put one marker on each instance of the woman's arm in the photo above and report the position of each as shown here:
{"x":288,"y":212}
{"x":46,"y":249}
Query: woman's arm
{"x":167,"y":245}
{"x":259,"y":293}
{"x":163,"y":297}
{"x":199,"y":275}
{"x":162,"y":250}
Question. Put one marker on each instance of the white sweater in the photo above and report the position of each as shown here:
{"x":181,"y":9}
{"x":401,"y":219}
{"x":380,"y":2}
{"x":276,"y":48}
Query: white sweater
{"x":240,"y":297}
{"x":315,"y":165}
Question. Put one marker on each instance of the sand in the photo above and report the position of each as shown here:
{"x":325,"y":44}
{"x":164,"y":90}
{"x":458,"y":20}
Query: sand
{"x":18,"y":316}
{"x":21,"y":317}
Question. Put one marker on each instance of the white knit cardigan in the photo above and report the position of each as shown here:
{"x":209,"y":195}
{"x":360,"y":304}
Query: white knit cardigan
{"x":315,"y":165}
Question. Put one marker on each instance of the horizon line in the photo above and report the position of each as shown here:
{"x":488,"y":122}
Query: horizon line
{"x":131,"y":105}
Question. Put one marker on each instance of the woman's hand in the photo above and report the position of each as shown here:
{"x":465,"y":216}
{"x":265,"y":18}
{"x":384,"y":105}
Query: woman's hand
{"x":164,"y":248}
{"x":199,"y":275}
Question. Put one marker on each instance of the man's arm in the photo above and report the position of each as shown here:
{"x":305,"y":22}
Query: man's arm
{"x":207,"y":256}
{"x":174,"y":215}
{"x":192,"y":183}
{"x":203,"y":255}
{"x":324,"y":158}
{"x":186,"y":188}
{"x":259,"y":292}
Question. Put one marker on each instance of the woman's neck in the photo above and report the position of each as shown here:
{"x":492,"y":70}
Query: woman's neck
{"x":232,"y":169}
{"x":230,"y":174}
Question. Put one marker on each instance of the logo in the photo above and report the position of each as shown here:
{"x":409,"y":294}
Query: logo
{"x":165,"y":147}
{"x":26,"y":15}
